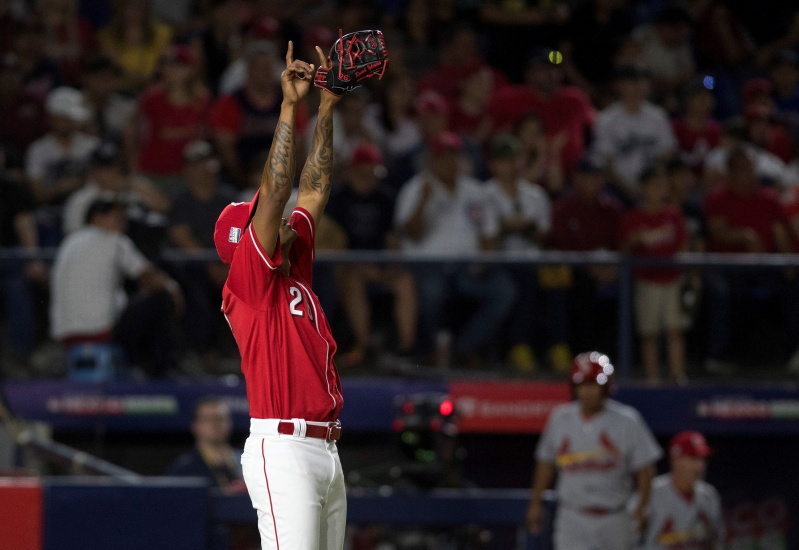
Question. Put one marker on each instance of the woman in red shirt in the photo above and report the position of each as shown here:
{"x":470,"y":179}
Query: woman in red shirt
{"x":170,"y":114}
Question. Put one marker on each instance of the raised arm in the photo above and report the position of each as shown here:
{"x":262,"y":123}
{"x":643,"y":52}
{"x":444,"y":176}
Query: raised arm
{"x":315,"y":181}
{"x":279,"y":169}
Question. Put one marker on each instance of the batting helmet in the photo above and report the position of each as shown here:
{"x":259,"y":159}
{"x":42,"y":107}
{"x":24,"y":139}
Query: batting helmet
{"x":592,"y":366}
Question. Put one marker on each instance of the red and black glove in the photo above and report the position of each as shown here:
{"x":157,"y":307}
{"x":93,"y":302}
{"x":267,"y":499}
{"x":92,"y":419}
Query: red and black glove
{"x":354,"y":58}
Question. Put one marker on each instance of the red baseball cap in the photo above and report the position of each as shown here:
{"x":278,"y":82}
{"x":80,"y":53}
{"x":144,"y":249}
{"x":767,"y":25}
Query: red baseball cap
{"x":446,"y":141}
{"x":689,"y":443}
{"x":366,"y":153}
{"x":231,"y":225}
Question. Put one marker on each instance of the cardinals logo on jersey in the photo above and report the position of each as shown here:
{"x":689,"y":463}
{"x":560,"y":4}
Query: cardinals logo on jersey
{"x":683,"y":539}
{"x":606,"y":456}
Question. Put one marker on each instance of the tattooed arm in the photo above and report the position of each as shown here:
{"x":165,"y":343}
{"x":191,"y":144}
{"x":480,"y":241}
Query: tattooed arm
{"x":315,"y":181}
{"x":278,"y":174}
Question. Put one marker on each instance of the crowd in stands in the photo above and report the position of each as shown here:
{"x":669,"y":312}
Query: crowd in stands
{"x":647,"y":127}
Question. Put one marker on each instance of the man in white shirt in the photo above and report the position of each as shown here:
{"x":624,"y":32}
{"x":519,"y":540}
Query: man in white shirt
{"x":632,"y":133}
{"x":88,"y":299}
{"x":443,"y":213}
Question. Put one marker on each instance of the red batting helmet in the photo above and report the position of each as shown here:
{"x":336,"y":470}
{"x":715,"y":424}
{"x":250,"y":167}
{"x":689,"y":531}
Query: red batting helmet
{"x":592,"y":366}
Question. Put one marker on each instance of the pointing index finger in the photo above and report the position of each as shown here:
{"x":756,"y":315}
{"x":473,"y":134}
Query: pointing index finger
{"x":290,"y":54}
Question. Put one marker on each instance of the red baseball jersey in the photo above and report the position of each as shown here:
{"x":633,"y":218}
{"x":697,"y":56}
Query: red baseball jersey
{"x":284,"y":339}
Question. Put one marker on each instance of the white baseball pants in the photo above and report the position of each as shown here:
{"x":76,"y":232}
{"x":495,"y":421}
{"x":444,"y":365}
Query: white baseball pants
{"x":297,"y":487}
{"x":577,"y":531}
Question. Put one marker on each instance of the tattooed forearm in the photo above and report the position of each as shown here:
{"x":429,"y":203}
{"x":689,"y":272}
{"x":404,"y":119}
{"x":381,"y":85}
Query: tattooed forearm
{"x":280,"y":166}
{"x":319,"y":165}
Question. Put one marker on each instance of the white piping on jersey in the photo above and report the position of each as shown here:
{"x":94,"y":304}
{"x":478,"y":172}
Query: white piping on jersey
{"x":327,"y":344}
{"x":258,"y":249}
{"x":301,"y":213}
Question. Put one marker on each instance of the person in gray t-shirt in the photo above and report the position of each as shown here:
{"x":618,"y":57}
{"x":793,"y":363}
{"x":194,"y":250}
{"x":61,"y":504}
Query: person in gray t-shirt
{"x":684,"y":511}
{"x":597,"y":447}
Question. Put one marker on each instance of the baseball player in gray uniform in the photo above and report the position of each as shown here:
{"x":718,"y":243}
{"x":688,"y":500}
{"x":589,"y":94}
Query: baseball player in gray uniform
{"x":598,"y":448}
{"x":684,"y":511}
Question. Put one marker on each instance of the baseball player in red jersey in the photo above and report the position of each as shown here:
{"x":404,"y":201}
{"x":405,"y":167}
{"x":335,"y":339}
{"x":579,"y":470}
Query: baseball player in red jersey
{"x":290,"y":462}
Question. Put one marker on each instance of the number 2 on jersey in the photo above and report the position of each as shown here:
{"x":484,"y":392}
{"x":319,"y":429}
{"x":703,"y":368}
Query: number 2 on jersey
{"x":295,"y":301}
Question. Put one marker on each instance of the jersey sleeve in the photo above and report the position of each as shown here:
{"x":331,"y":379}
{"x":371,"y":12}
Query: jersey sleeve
{"x":303,"y":250}
{"x":129,"y":260}
{"x":547,"y":447}
{"x":644,"y":449}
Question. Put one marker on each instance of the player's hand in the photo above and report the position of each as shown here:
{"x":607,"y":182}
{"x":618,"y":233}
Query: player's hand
{"x":324,"y":62}
{"x":533,"y":518}
{"x":296,"y":79}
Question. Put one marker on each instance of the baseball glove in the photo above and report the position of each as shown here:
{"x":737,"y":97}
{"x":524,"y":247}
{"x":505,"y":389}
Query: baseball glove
{"x":355,"y":57}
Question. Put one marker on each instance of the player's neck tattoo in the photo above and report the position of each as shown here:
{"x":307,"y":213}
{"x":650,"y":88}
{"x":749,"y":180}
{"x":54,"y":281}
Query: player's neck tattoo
{"x":281,"y":156}
{"x":316,"y":172}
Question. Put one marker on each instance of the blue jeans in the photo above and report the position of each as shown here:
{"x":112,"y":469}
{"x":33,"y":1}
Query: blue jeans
{"x":16,"y":296}
{"x":493,"y":291}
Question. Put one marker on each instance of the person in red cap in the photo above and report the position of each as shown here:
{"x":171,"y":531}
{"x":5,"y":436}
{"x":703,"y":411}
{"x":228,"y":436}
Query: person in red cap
{"x":684,"y":510}
{"x":290,"y":461}
{"x":596,"y":446}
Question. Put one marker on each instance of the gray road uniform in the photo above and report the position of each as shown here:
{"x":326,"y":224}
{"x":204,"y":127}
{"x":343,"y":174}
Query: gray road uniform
{"x":677,"y":521}
{"x":595,"y":460}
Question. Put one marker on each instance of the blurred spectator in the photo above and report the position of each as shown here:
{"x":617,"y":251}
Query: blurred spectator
{"x":106,"y":178}
{"x":194,"y":214}
{"x":759,"y":112}
{"x":539,"y":160}
{"x":265,"y":29}
{"x":68,"y":38}
{"x":212,"y":458}
{"x":784,"y":72}
{"x":221,"y":42}
{"x":18,"y":230}
{"x":632,"y":133}
{"x":110,"y":110}
{"x":243,"y":122}
{"x":665,"y":51}
{"x":55,"y":163}
{"x":40,"y":74}
{"x":518,"y":27}
{"x":599,"y":449}
{"x":657,"y":229}
{"x":685,"y":195}
{"x":564,"y":110}
{"x":593,"y":34}
{"x":720,"y":39}
{"x":392,"y":123}
{"x":444,"y":213}
{"x":22,"y":113}
{"x":724,"y":46}
{"x":743,"y":217}
{"x":586,"y":219}
{"x":770,"y":170}
{"x":135,"y":41}
{"x":419,"y":34}
{"x":697,"y":132}
{"x":469,"y":111}
{"x":88,"y":300}
{"x":363,"y":208}
{"x":169,"y":115}
{"x":11,"y":12}
{"x":683,"y":508}
{"x":459,"y":57}
{"x":523,"y":214}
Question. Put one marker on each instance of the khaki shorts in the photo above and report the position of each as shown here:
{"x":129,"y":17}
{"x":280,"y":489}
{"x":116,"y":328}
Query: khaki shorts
{"x":658,"y":308}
